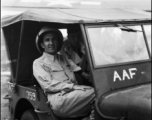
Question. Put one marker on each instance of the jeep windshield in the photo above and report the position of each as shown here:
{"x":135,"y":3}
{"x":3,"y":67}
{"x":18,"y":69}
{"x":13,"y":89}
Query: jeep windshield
{"x":119,"y":44}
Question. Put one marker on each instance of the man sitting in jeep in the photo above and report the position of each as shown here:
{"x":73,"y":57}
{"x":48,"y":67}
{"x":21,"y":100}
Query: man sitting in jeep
{"x":55,"y":74}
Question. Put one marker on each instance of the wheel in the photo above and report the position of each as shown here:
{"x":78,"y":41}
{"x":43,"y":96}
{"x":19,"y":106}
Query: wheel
{"x":29,"y":115}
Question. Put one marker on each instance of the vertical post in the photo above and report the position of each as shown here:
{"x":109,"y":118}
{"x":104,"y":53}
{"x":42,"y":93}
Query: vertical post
{"x":87,"y":46}
{"x":88,"y":55}
{"x":146,"y":41}
{"x":19,"y":51}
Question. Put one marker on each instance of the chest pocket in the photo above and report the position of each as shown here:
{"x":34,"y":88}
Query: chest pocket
{"x":55,"y":67}
{"x":57,"y":72}
{"x":68,"y":70}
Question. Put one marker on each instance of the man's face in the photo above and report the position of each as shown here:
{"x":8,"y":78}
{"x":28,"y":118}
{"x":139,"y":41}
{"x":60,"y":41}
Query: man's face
{"x":50,"y":43}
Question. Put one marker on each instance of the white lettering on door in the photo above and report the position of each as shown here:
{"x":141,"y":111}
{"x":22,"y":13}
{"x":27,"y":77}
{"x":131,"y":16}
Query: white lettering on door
{"x":116,"y":75}
{"x":132,"y":73}
{"x":125,"y":75}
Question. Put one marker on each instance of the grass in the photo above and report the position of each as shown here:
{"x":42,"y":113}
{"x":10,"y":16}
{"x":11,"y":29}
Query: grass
{"x":5,"y":115}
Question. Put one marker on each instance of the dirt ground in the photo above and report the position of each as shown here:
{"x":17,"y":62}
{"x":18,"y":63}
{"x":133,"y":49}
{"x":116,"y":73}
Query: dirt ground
{"x":5,"y":115}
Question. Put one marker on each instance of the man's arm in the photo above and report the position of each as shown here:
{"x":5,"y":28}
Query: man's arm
{"x":44,"y":78}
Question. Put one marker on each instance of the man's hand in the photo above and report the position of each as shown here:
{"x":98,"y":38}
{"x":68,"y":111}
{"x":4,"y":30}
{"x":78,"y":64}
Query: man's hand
{"x":66,"y":90}
{"x":80,"y":87}
{"x":87,"y":76}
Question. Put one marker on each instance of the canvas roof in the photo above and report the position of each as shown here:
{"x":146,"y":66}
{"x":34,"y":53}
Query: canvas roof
{"x":77,"y":15}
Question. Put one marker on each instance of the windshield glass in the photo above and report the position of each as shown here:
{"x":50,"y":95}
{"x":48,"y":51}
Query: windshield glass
{"x":111,"y":45}
{"x":148,"y":34}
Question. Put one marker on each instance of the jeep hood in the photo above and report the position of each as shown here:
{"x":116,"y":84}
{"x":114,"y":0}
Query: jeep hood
{"x":134,"y":103}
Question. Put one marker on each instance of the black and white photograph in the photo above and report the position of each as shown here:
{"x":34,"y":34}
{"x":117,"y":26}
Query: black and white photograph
{"x":76,"y":60}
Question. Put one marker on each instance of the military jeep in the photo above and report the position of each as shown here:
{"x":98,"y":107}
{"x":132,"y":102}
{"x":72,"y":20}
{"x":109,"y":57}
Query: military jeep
{"x":118,"y":51}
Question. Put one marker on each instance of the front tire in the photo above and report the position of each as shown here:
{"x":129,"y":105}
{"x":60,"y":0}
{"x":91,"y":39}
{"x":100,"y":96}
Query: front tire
{"x":29,"y":115}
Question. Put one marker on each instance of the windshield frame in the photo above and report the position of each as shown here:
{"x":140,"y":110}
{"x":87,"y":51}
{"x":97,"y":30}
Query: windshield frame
{"x":145,"y":36}
{"x":114,"y":25}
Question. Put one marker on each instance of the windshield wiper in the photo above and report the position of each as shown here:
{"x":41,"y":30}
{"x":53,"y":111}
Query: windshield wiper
{"x":124,"y":28}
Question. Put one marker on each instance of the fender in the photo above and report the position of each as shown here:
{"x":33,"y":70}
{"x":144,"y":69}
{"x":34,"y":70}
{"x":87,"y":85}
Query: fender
{"x":134,"y":103}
